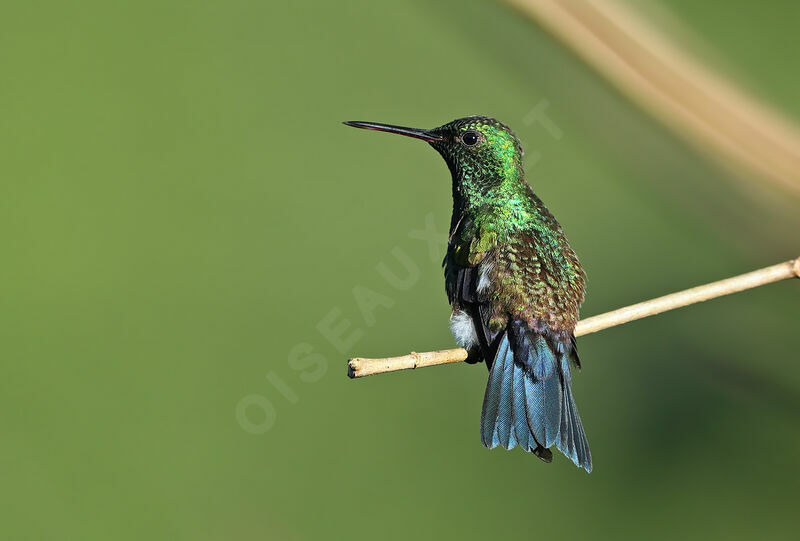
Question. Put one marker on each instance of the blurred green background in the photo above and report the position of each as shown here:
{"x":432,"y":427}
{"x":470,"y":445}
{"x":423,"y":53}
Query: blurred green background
{"x":182,"y":211}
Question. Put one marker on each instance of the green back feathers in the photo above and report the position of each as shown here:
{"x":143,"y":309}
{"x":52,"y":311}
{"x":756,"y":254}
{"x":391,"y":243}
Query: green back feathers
{"x":497,"y":216}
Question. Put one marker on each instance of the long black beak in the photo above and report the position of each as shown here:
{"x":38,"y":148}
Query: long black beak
{"x":425,"y":135}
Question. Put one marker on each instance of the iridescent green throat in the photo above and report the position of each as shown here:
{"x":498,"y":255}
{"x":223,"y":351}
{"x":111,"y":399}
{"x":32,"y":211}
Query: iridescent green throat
{"x":492,"y":187}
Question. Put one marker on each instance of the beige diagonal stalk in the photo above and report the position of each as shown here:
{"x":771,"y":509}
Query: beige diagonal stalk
{"x":698,"y":104}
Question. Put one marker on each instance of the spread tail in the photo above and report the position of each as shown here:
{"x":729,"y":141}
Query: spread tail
{"x":528,"y":400}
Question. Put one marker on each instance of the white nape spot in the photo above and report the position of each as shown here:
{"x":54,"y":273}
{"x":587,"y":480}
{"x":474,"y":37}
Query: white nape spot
{"x":463,"y":329}
{"x":483,"y":277}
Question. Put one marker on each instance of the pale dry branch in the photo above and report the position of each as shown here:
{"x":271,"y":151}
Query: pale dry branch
{"x":359,"y":367}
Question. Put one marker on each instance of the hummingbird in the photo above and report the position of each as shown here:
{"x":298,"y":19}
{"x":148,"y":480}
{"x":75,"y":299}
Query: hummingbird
{"x":515,"y":286}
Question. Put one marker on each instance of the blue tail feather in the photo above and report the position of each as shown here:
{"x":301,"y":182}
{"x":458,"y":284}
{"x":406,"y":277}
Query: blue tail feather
{"x":572,"y":440}
{"x":534,"y":418}
{"x":491,"y":400}
{"x":566,"y":440}
{"x":544,"y":361}
{"x":520,"y":412}
{"x":506,"y":408}
{"x":551,"y":402}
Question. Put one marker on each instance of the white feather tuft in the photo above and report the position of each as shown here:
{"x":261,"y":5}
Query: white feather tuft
{"x":463,"y":329}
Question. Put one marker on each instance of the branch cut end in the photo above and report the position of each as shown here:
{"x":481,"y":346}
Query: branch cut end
{"x":352,"y":367}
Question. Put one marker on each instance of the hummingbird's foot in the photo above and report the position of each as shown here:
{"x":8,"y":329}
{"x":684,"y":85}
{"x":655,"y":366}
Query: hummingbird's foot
{"x":474,"y":356}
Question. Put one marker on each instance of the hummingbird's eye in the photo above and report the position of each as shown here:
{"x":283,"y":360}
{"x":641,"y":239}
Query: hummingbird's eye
{"x":470,"y":138}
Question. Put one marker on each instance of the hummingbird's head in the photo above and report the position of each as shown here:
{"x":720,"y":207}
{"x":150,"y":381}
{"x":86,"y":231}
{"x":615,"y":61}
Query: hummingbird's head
{"x":481,"y":152}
